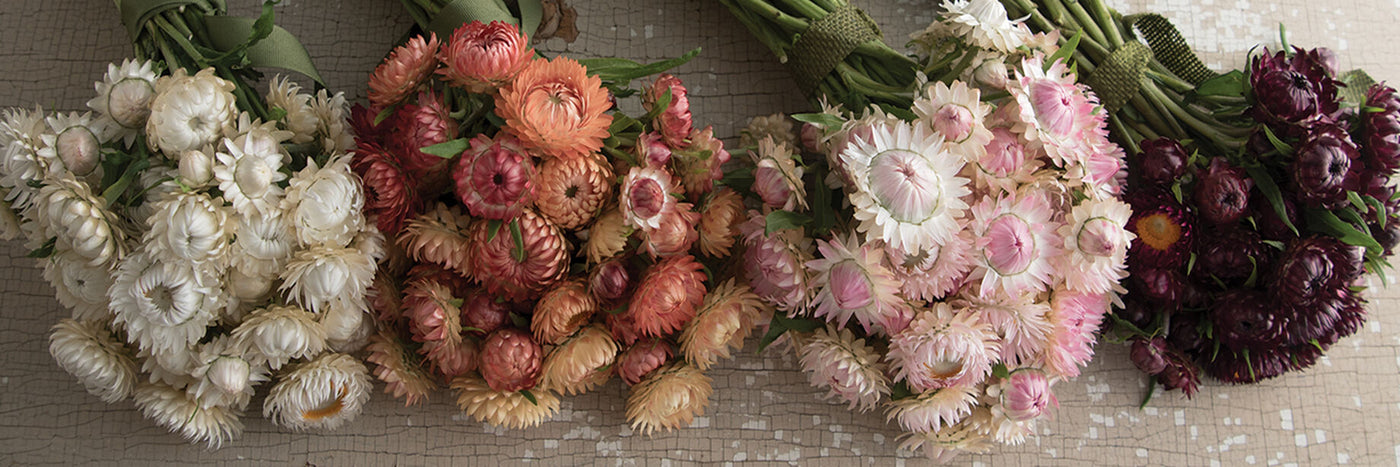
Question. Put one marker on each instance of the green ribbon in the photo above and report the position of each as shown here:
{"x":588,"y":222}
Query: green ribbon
{"x":1118,"y":79}
{"x":459,"y":12}
{"x":1358,"y":83}
{"x":1170,"y":48}
{"x":280,"y":49}
{"x":826,"y":43}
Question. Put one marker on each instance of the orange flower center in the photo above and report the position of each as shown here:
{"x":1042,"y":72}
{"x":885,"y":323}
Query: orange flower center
{"x":1158,"y":231}
{"x":334,"y":407}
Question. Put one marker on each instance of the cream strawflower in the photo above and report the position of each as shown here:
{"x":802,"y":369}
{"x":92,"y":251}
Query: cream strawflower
{"x":347,"y":326}
{"x":943,"y":445}
{"x":777,"y":177}
{"x":942,"y":348}
{"x":1016,"y":241}
{"x":581,"y":362}
{"x":399,"y":369}
{"x":285,"y":94}
{"x":933,"y":410}
{"x":196,"y":167}
{"x":189,"y":112}
{"x":607,"y":236}
{"x":321,"y":394}
{"x":504,"y":409}
{"x":1097,"y":240}
{"x":725,"y":319}
{"x":10,"y":228}
{"x":849,"y":368}
{"x":855,"y":283}
{"x":331,"y":125}
{"x":262,"y":246}
{"x":124,"y":97}
{"x":668,"y":398}
{"x":984,"y":24}
{"x":164,"y":306}
{"x":646,"y":197}
{"x":777,"y":126}
{"x":90,"y":352}
{"x":279,"y":334}
{"x":248,"y":172}
{"x":177,"y":411}
{"x":439,"y":236}
{"x":74,"y":144}
{"x":169,"y":367}
{"x":958,"y":114}
{"x":323,"y":204}
{"x":190,"y":228}
{"x":81,"y":220}
{"x":316,"y":276}
{"x":226,"y":376}
{"x":907,"y":191}
{"x":21,"y":137}
{"x":80,"y":287}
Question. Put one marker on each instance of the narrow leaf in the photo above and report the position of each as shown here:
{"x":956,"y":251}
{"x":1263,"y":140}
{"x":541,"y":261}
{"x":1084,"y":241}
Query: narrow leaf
{"x":782,"y":220}
{"x":493,"y":227}
{"x":519,"y":251}
{"x":1271,"y":192}
{"x":824,"y":120}
{"x":623,"y":70}
{"x":449,"y":149}
{"x":529,"y":396}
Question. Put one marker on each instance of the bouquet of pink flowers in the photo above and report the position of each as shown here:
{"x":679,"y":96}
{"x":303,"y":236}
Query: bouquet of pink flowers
{"x":545,"y":241}
{"x":951,"y":261}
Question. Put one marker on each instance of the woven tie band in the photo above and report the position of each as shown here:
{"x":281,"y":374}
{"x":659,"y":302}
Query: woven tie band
{"x":1171,"y":49}
{"x":1117,"y":79}
{"x":826,"y":43}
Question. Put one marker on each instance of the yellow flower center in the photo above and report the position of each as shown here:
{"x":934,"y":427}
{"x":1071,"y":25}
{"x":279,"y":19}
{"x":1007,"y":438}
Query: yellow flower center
{"x":1158,"y":231}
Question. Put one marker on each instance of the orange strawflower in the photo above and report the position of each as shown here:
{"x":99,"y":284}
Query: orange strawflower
{"x":571,"y":191}
{"x":555,"y":107}
{"x":401,"y":73}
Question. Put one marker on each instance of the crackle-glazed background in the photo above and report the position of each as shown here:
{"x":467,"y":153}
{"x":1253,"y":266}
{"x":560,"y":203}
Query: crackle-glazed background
{"x":1343,"y":411}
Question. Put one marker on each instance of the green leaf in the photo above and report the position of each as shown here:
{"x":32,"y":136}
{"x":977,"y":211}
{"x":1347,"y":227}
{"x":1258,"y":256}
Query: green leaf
{"x":456,"y":302}
{"x":781,"y":324}
{"x":621,"y":70}
{"x":1065,"y":52}
{"x":901,"y":390}
{"x":1176,"y":191}
{"x":473,"y":329}
{"x":493,"y":227}
{"x":1327,"y":222}
{"x":1379,"y":207}
{"x":1279,"y":145}
{"x":823,"y":216}
{"x":276,"y":113}
{"x":1231,"y":84}
{"x":620,"y":308}
{"x":824,"y":120}
{"x":781,"y":220}
{"x":1271,"y":192}
{"x":1273,"y":243}
{"x":1253,"y":272}
{"x":1356,"y":200}
{"x":1151,"y":389}
{"x":529,"y":396}
{"x":519,"y":321}
{"x":1000,"y":371}
{"x":519,"y":251}
{"x":384,"y":114}
{"x":1190,"y":263}
{"x":44,"y":251}
{"x":449,"y":149}
{"x":661,"y":104}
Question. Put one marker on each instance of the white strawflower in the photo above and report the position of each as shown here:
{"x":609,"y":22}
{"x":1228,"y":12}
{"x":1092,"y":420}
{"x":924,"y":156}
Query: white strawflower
{"x":226,"y":375}
{"x":958,"y":114}
{"x":196,"y":167}
{"x":124,"y":97}
{"x":248,"y":287}
{"x":21,"y":137}
{"x":984,"y":24}
{"x":332,"y":127}
{"x":160,"y":183}
{"x":280,"y":334}
{"x":347,"y":326}
{"x":316,"y":276}
{"x":907,"y":191}
{"x":177,"y":411}
{"x":90,"y":352}
{"x":74,"y":143}
{"x":190,"y":228}
{"x":248,"y":171}
{"x":323,"y":204}
{"x":847,"y":366}
{"x":172,"y":367}
{"x":9,"y":219}
{"x":301,"y":120}
{"x":1097,"y":240}
{"x":262,"y":246}
{"x":164,"y":305}
{"x":79,"y":286}
{"x":189,"y":112}
{"x":81,"y":220}
{"x":321,"y":394}
{"x":370,"y":241}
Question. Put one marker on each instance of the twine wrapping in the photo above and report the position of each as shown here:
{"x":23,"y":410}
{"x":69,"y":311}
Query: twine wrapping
{"x":826,"y":43}
{"x":1118,"y":79}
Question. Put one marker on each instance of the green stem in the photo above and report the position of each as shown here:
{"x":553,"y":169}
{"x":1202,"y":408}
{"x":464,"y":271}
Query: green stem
{"x":805,"y":9}
{"x":1170,"y":80}
{"x":768,"y":12}
{"x":1090,"y":27}
{"x":1209,"y":132}
{"x":1104,"y":17}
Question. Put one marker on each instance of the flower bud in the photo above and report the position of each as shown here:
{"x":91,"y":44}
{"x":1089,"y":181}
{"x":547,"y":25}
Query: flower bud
{"x":196,"y":167}
{"x":483,"y":312}
{"x":1163,"y":160}
{"x":652,"y":150}
{"x":812,"y":136}
{"x":641,"y":359}
{"x":1322,"y":166}
{"x":1223,"y":193}
{"x":674,"y":122}
{"x":229,"y":374}
{"x":610,"y":280}
{"x":79,"y":150}
{"x":1149,"y":354}
{"x":510,"y":360}
{"x":1027,"y":394}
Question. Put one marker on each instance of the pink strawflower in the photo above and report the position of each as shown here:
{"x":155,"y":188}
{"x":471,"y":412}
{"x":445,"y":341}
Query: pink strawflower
{"x":494,"y":178}
{"x":646,"y":197}
{"x":416,"y":126}
{"x":1076,"y":318}
{"x":1015,"y":244}
{"x":776,"y":264}
{"x":1005,"y":165}
{"x":699,"y":164}
{"x":407,"y":67}
{"x":854,"y":282}
{"x":1096,"y":242}
{"x":511,"y":360}
{"x":1021,"y":321}
{"x":675,"y":234}
{"x":642,"y":358}
{"x":674,"y":122}
{"x":482,"y":57}
{"x":1026,"y":394}
{"x":652,"y":150}
{"x":1054,"y":111}
{"x":943,"y":348}
{"x":933,"y":273}
{"x":848,"y":367}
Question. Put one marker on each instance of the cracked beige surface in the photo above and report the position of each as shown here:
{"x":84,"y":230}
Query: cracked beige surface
{"x":1339,"y":412}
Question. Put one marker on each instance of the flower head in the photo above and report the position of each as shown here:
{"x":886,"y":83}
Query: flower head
{"x":279,"y":334}
{"x":164,"y":306}
{"x":190,"y":112}
{"x":725,"y":318}
{"x":855,"y":283}
{"x":667,"y":296}
{"x":1016,"y":241}
{"x":1026,"y":394}
{"x":390,"y":195}
{"x":225,"y":374}
{"x":646,"y":197}
{"x":1054,"y":113}
{"x":317,"y":276}
{"x":933,"y":273}
{"x":323,"y":393}
{"x":849,"y":368}
{"x":720,"y":217}
{"x":510,"y":360}
{"x":933,"y":410}
{"x":1163,"y":229}
{"x":1076,"y":318}
{"x":93,"y":354}
{"x":1097,"y":240}
{"x":481,"y":57}
{"x":555,"y":107}
{"x":406,"y":67}
{"x":984,"y":23}
{"x":124,"y":96}
{"x":1222,"y":192}
{"x":776,"y":265}
{"x":669,"y":398}
{"x":190,"y":227}
{"x":398,"y":369}
{"x":177,"y":411}
{"x":509,"y":409}
{"x":79,"y":286}
{"x":580,"y":363}
{"x":570,"y":192}
{"x":675,"y":233}
{"x":777,"y":178}
{"x":81,"y":221}
{"x":494,"y":178}
{"x":608,"y":235}
{"x":907,"y":191}
{"x":642,"y":358}
{"x":248,"y":172}
{"x":439,"y":236}
{"x":957,"y":114}
{"x":563,"y":310}
{"x":701,"y":163}
{"x":943,"y":348}
{"x":519,"y":272}
{"x":413,"y":127}
{"x":674,"y":122}
{"x":323,"y":204}
{"x":74,"y":143}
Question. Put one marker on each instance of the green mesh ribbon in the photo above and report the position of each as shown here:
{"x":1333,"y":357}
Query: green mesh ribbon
{"x":1357,"y":84}
{"x":1170,"y":48}
{"x":827,"y":42}
{"x":280,"y":49}
{"x":1117,"y":79}
{"x":459,"y":12}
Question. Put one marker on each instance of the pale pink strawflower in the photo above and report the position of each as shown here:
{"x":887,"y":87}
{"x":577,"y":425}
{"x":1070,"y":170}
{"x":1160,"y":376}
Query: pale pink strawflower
{"x":933,"y":273}
{"x":482,"y":57}
{"x":494,"y":178}
{"x":1096,"y":242}
{"x":1016,"y":241}
{"x":1076,"y":318}
{"x":652,"y":150}
{"x":1054,"y":111}
{"x":933,"y":410}
{"x":1005,"y":164}
{"x":646,"y":197}
{"x":1020,"y":321}
{"x":776,"y":264}
{"x":848,"y":367}
{"x":777,"y":177}
{"x":854,"y":282}
{"x":906,"y":186}
{"x":943,"y":347}
{"x":957,"y":113}
{"x":1026,"y":394}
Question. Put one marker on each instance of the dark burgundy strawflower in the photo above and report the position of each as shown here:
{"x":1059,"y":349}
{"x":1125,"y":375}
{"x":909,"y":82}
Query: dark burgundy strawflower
{"x":1185,"y":333}
{"x":1316,"y":320}
{"x":1322,"y":165}
{"x":1231,"y":254}
{"x":1222,"y":193}
{"x":1381,"y":128}
{"x":1149,"y":354}
{"x":1164,"y":287}
{"x":1137,"y":312}
{"x":1163,"y":160}
{"x":1388,"y":236}
{"x":1289,"y":92}
{"x":1180,"y":374}
{"x":1163,"y":228}
{"x":1249,"y":366}
{"x":1271,"y":226}
{"x":1247,"y":318}
{"x":1305,"y":271}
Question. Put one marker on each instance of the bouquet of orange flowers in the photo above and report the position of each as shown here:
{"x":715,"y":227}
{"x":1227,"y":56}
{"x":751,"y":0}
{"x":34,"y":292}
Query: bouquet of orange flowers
{"x":546,"y":241}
